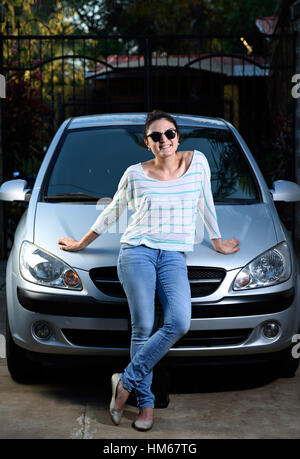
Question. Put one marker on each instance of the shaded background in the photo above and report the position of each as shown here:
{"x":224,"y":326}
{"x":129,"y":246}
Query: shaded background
{"x":225,"y":58}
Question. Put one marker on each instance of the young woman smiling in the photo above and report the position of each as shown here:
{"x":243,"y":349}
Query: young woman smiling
{"x":152,"y":253}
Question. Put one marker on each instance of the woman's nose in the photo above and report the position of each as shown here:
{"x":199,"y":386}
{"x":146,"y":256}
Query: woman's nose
{"x":163,"y":137}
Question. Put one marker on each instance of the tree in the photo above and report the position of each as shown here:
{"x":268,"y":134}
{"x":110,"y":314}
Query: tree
{"x":14,"y":9}
{"x":137,"y":16}
{"x":239,"y":17}
{"x":167,"y":16}
{"x":36,"y":17}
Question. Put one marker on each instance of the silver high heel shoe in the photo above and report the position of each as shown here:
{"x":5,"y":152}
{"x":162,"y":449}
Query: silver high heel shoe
{"x":115,"y":415}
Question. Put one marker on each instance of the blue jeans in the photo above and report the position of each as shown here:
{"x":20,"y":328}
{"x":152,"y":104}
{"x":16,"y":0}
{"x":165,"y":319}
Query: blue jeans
{"x":141,"y":271}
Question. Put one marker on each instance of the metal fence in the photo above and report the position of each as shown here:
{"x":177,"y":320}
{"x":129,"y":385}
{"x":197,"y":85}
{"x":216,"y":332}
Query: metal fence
{"x":247,"y":81}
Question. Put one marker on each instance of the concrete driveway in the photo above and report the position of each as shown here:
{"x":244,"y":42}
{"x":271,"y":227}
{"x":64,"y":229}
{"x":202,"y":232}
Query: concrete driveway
{"x":223,"y":402}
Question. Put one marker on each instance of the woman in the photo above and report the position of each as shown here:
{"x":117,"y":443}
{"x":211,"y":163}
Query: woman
{"x":152,"y":253}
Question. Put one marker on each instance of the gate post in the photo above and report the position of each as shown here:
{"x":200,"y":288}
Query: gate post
{"x":295,"y":16}
{"x":2,"y":214}
{"x":3,"y":245}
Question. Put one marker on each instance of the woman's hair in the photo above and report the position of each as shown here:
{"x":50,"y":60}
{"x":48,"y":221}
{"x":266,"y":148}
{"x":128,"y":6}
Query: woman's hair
{"x":158,"y":115}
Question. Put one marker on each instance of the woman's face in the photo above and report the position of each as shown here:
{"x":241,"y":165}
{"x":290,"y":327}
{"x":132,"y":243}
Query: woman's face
{"x":165,"y":147}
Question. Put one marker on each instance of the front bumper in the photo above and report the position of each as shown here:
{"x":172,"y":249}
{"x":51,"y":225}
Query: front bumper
{"x":229,"y":325}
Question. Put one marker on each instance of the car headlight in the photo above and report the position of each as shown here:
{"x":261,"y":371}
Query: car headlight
{"x":270,"y":268}
{"x":40,"y":267}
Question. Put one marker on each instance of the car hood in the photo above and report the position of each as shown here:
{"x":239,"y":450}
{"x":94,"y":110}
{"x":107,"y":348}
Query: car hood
{"x":251,"y":224}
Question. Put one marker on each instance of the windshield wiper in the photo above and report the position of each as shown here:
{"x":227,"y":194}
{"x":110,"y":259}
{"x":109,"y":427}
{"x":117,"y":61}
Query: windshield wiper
{"x":237,"y":201}
{"x":72,"y":197}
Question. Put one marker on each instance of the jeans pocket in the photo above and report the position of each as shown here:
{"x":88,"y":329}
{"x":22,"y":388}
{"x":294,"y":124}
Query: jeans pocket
{"x":126,"y":253}
{"x":127,"y":246}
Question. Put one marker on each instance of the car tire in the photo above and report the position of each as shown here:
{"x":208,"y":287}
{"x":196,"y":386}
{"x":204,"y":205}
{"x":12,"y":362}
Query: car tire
{"x":20,"y":367}
{"x":287,"y":365}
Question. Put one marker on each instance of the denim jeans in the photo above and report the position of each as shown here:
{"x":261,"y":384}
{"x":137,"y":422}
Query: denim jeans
{"x":141,"y":271}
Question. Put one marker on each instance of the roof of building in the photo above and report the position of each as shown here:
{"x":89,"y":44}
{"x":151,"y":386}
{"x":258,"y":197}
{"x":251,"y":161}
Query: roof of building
{"x":227,"y":65}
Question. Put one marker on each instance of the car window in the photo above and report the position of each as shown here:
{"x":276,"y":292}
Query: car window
{"x":232,"y":179}
{"x":90,"y":162}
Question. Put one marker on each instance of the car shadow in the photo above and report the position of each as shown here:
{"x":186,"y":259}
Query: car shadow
{"x":91,"y":383}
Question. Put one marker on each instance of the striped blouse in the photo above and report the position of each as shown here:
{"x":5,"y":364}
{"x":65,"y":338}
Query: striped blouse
{"x":164,"y":213}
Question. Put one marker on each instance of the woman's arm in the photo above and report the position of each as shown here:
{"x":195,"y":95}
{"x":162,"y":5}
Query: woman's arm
{"x":71,"y":245}
{"x":107,"y":217}
{"x":113,"y":211}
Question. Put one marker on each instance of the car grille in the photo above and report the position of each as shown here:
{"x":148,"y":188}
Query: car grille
{"x":203,"y":281}
{"x":121,"y":338}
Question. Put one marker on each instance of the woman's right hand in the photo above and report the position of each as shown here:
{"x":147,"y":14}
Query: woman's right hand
{"x":69,"y":244}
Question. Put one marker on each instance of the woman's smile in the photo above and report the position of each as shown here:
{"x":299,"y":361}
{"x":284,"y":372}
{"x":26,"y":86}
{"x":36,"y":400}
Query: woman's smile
{"x":165,"y":147}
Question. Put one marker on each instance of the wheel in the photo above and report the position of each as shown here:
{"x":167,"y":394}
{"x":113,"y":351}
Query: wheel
{"x":20,"y":367}
{"x":287,"y":365}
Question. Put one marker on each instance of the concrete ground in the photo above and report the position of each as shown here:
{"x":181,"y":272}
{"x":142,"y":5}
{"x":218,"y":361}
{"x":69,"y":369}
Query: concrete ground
{"x":214,"y":403}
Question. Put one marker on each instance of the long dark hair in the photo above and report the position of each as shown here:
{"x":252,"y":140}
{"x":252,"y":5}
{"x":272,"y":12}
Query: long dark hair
{"x":158,"y":115}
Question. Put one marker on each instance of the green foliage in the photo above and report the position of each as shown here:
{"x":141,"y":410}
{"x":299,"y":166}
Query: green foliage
{"x":240,"y":16}
{"x":138,"y":16}
{"x":168,"y":16}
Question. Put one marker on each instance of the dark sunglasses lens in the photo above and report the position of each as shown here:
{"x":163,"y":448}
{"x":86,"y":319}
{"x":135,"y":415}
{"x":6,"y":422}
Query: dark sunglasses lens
{"x":170,"y":134}
{"x":155,"y":136}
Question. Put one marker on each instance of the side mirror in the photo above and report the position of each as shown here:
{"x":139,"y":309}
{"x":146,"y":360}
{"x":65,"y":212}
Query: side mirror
{"x":286,"y":191}
{"x":15,"y":190}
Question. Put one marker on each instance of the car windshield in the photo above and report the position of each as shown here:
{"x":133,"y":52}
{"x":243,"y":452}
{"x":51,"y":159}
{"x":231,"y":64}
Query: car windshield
{"x":90,"y":163}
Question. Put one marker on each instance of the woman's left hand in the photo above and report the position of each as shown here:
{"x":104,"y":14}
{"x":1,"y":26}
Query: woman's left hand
{"x":228,"y":246}
{"x":69,"y":244}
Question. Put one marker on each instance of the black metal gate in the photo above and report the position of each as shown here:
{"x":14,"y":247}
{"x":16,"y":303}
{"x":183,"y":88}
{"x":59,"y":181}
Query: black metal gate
{"x":51,"y":78}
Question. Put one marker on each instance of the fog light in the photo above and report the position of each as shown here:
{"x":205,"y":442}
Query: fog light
{"x":42,"y":330}
{"x":271,"y":329}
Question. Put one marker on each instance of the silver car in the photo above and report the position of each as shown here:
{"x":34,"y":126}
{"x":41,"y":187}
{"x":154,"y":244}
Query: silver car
{"x":245,"y":306}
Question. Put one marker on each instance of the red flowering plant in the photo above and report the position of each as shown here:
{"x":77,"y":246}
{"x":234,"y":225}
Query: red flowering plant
{"x":27,"y":115}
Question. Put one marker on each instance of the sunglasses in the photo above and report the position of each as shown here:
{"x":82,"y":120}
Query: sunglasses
{"x":169,"y":133}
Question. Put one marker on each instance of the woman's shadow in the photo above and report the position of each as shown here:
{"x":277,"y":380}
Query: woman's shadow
{"x":90,"y":383}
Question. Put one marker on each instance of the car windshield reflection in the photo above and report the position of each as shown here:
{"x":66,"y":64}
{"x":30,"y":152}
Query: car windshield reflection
{"x":90,"y":163}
